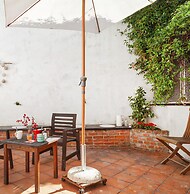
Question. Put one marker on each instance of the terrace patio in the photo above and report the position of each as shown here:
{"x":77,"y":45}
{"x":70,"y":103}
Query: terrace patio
{"x":127,"y":171}
{"x":40,"y":70}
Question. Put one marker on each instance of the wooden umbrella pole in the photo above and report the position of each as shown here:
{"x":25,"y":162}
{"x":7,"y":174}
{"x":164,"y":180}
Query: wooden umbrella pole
{"x":83,"y":72}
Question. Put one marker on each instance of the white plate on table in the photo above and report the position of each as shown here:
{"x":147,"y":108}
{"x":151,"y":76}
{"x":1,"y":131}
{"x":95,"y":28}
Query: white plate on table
{"x":107,"y":126}
{"x":19,"y":127}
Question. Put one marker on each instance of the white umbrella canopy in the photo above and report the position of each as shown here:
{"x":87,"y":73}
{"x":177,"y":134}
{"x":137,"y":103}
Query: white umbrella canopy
{"x":66,"y":14}
{"x":83,"y":15}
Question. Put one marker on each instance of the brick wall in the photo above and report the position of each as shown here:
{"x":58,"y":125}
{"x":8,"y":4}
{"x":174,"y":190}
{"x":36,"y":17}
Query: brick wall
{"x":3,"y":135}
{"x":137,"y":138}
{"x":108,"y":138}
{"x":146,"y":139}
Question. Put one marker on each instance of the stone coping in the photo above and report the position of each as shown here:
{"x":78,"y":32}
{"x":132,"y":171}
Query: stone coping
{"x":98,"y":127}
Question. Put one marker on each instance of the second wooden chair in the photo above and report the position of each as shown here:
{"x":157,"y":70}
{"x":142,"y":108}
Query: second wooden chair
{"x":64,"y":126}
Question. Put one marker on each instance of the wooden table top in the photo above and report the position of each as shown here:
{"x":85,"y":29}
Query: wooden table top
{"x":24,"y":141}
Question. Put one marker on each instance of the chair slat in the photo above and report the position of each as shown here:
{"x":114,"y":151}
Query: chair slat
{"x":63,"y":119}
{"x":187,"y":131}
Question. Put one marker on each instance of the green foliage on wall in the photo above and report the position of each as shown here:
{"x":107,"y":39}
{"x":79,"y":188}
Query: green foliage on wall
{"x":160,"y":35}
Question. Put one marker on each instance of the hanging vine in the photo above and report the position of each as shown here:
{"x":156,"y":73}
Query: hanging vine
{"x":160,"y":36}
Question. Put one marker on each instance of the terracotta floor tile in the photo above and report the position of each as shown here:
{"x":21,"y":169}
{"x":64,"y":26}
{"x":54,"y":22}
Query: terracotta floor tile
{"x":10,"y":189}
{"x":167,"y":169}
{"x":148,"y":184}
{"x":128,"y":171}
{"x":124,"y":164}
{"x":155,"y":178}
{"x":164,"y":190}
{"x":126,"y":176}
{"x":25,"y":183}
{"x":140,"y":167}
{"x":117,"y":183}
{"x":101,"y":164}
{"x":111,"y":170}
{"x":177,"y":184}
{"x":101,"y":189}
{"x":75,"y":163}
{"x":16,"y":177}
{"x":131,"y":189}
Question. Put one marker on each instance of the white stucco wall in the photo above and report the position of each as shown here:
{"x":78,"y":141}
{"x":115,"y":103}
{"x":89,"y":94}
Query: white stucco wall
{"x":46,"y":69}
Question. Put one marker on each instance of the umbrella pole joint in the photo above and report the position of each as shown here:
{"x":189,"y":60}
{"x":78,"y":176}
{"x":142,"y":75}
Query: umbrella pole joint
{"x":83,"y":80}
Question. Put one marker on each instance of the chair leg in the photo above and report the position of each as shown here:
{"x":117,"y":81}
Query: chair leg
{"x":32,"y":157}
{"x":170,"y":156}
{"x":64,"y":152}
{"x":51,"y":152}
{"x":179,"y":146}
{"x":184,"y":171}
{"x":171,"y":149}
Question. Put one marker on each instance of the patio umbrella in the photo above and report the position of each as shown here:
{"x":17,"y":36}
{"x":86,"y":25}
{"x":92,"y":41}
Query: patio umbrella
{"x":95,"y":16}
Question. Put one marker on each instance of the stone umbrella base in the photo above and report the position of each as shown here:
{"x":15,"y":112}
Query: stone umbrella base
{"x":83,"y":178}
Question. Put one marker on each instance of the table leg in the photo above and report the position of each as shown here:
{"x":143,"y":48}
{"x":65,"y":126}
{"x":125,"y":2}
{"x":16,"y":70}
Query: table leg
{"x":11,"y":159}
{"x":10,"y":151}
{"x":55,"y":160}
{"x":37,"y":170}
{"x":27,"y":162}
{"x":6,"y":167}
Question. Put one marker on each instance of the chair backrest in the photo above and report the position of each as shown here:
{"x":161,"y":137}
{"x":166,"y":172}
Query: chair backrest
{"x":187,"y":131}
{"x":61,"y":121}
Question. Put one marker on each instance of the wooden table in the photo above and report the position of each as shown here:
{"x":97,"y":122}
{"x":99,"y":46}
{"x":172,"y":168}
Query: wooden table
{"x":35,"y":147}
{"x":7,"y":130}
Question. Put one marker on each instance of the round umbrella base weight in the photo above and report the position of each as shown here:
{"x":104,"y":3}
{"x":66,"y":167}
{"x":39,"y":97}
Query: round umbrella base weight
{"x":88,"y":176}
{"x":83,"y":178}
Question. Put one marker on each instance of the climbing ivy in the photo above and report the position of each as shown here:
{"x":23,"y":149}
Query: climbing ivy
{"x":160,"y":36}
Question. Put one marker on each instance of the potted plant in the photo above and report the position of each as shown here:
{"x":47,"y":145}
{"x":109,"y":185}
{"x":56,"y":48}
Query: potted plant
{"x":143,"y":134}
{"x":141,"y":109}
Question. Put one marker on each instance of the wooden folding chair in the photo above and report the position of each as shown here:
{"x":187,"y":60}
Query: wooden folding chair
{"x":178,"y":142}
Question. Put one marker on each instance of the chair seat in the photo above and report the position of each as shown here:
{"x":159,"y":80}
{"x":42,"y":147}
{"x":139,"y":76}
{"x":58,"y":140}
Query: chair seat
{"x":60,"y":141}
{"x":175,"y":140}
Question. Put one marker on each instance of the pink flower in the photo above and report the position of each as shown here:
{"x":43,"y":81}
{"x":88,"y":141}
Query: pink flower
{"x":25,"y":121}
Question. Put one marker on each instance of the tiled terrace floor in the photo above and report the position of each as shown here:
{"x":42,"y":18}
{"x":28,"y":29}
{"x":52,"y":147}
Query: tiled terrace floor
{"x":127,"y":171}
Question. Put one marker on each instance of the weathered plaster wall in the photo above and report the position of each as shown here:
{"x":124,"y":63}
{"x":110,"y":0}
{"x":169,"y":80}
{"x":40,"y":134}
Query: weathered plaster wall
{"x":46,"y":71}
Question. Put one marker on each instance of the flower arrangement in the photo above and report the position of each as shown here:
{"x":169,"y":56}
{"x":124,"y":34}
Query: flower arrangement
{"x":26,"y":121}
{"x":142,"y":125}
